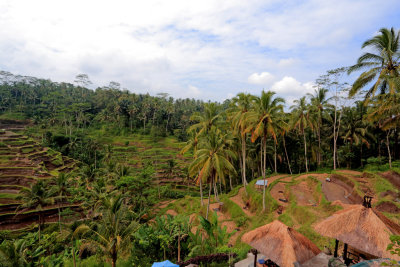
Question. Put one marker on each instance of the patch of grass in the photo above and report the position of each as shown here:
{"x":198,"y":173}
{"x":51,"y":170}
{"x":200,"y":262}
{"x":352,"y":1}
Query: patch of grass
{"x":57,"y":160}
{"x":7,"y":195}
{"x":286,"y":219}
{"x":13,"y":116}
{"x":236,"y":212}
{"x":382,"y":185}
{"x":27,"y":150}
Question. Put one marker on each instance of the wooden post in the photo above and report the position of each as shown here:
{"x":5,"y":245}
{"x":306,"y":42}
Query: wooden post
{"x":255,"y":257}
{"x":345,"y":252}
{"x":336,"y":248}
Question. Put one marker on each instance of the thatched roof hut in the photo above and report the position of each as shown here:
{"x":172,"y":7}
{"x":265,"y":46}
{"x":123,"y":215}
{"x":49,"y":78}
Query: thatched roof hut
{"x":363,"y":228}
{"x":281,"y":244}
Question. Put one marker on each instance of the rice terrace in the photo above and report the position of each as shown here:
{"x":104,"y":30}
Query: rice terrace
{"x":200,"y":134}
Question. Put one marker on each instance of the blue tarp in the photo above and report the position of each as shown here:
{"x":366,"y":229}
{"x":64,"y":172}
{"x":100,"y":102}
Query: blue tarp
{"x":376,"y":262}
{"x":261,"y":182}
{"x":166,"y":263}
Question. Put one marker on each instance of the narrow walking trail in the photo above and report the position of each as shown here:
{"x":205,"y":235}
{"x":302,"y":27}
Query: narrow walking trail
{"x":238,"y":199}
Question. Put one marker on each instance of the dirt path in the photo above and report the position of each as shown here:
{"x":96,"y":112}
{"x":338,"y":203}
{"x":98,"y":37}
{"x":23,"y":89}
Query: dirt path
{"x":350,"y":172}
{"x":333,"y":191}
{"x":239,"y":201}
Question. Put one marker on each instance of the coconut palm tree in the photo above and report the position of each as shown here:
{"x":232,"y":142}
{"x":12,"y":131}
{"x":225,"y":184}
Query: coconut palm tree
{"x":264,"y":117}
{"x":36,"y":197}
{"x":355,"y":129}
{"x":301,"y":120}
{"x":13,"y":253}
{"x":383,"y":64}
{"x":192,"y":144}
{"x":212,"y":160}
{"x":112,"y":233}
{"x":61,"y":185}
{"x":205,"y":120}
{"x":319,"y":102}
{"x":242,"y":105}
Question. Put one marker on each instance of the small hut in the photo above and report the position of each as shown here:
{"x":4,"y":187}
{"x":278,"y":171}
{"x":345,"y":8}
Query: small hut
{"x":261,"y":183}
{"x":281,"y":244}
{"x":361,"y":227}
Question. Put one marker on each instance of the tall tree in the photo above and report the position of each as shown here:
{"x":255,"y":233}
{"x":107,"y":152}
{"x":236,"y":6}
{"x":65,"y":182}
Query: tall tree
{"x":36,"y":197}
{"x":301,"y":120}
{"x":383,"y":64}
{"x":61,"y":188}
{"x":212,"y":161}
{"x":112,"y":233}
{"x":264,"y":117}
{"x":242,"y":105}
{"x":319,"y":102}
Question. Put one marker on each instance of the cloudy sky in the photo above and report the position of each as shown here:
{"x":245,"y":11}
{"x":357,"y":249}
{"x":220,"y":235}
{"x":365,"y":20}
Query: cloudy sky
{"x":205,"y":49}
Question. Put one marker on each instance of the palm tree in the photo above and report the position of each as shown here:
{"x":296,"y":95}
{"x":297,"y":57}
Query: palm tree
{"x":205,"y":120}
{"x":192,"y":143}
{"x":35,"y":198}
{"x":301,"y":120}
{"x":265,"y":116}
{"x":384,"y":64}
{"x":13,"y":253}
{"x":61,"y":185}
{"x":242,"y":105}
{"x":212,"y":160}
{"x":355,"y":129}
{"x":72,"y":232}
{"x":319,"y":102}
{"x":112,"y":233}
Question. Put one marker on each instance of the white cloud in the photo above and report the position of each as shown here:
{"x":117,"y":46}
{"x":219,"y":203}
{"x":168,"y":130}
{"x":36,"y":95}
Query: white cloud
{"x":153,"y":46}
{"x":286,"y":62}
{"x":263,"y":78}
{"x":194,"y":92}
{"x":291,"y":89}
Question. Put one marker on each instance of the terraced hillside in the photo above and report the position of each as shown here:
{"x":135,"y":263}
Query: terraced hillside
{"x":163,"y":153}
{"x":23,"y":162}
{"x":299,"y":201}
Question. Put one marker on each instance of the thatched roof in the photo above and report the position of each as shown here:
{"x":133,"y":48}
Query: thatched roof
{"x":281,"y":244}
{"x":365,"y":229}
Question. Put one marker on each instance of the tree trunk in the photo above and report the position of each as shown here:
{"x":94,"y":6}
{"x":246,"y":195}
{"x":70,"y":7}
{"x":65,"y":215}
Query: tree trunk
{"x":113,"y":263}
{"x":208,"y":204}
{"x":244,"y":162}
{"x":287,"y":157}
{"x":201,"y":193}
{"x":179,"y":248}
{"x":388,"y":148}
{"x":216,"y":192}
{"x":265,"y":163}
{"x":334,"y":135}
{"x":40,"y":222}
{"x":319,"y":145}
{"x":275,"y":166}
{"x":73,"y":253}
{"x":59,"y":216}
{"x":305,"y":150}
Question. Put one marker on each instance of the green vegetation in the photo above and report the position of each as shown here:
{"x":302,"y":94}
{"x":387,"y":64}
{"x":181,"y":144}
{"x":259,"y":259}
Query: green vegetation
{"x":124,"y":179}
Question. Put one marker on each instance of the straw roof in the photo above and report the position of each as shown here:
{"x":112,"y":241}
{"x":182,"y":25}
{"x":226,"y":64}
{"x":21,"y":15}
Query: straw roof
{"x":281,"y":244}
{"x":365,"y":229}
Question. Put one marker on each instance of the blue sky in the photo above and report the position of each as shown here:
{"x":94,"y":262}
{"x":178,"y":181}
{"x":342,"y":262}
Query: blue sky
{"x":207,"y":49}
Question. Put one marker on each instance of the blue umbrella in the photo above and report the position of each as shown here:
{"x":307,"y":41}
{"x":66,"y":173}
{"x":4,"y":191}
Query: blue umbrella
{"x":166,"y":263}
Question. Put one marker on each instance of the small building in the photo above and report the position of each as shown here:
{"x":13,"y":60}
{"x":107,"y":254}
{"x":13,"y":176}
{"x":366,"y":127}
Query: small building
{"x":261,"y":183}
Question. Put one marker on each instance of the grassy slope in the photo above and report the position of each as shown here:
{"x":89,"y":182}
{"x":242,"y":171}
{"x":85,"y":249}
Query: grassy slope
{"x":300,"y":217}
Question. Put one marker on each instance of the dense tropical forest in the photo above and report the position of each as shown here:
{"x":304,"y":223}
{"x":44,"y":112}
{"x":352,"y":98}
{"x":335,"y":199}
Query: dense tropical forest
{"x":111,"y":177}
